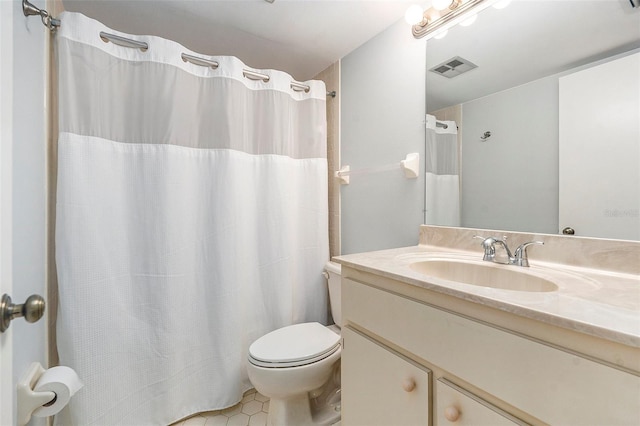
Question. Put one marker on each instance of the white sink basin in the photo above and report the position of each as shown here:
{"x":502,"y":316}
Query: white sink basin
{"x":484,"y":274}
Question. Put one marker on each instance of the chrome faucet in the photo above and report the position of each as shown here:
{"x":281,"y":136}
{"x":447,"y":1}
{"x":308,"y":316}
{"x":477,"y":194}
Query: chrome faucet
{"x":519,"y":258}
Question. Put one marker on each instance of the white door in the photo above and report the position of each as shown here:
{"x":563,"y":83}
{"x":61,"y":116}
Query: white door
{"x":22,"y":191}
{"x":600,"y":150}
{"x":6,"y":339}
{"x":6,"y":82}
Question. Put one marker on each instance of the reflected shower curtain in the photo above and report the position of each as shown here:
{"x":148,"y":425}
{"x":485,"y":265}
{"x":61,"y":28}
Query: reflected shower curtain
{"x":442,"y":198}
{"x":191,"y":219}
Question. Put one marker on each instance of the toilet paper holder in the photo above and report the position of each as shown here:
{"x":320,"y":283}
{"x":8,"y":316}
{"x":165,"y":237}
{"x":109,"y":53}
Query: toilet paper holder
{"x":28,"y":399}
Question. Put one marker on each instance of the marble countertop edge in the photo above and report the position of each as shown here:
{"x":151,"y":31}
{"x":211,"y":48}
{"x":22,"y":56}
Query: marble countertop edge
{"x":587,"y":313}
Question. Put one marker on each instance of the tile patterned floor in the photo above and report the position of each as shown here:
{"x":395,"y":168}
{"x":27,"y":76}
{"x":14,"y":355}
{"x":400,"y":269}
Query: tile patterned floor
{"x":251,"y":411}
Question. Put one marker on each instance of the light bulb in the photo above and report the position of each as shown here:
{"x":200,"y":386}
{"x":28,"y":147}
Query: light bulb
{"x":413,"y":15}
{"x":440,"y":4}
{"x":441,"y":34}
{"x":470,"y":20}
{"x":502,"y":4}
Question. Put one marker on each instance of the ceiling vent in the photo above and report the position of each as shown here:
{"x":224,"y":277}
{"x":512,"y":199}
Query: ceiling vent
{"x":453,"y":67}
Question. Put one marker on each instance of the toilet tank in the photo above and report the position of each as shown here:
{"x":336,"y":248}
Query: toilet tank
{"x":332,"y":273}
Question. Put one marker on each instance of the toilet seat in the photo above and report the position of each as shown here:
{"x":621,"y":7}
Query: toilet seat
{"x":293,"y":346}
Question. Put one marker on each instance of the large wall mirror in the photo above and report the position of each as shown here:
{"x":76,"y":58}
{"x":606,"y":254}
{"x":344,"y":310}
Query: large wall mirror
{"x":508,"y":111}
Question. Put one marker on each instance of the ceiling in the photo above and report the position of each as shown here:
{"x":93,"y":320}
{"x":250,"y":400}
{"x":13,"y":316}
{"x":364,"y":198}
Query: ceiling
{"x":301,"y":37}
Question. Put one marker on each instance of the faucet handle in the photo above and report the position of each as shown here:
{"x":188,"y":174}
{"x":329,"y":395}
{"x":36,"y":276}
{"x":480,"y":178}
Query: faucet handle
{"x":488,"y":244}
{"x":480,"y":237}
{"x":489,"y":240}
{"x":520,"y":257}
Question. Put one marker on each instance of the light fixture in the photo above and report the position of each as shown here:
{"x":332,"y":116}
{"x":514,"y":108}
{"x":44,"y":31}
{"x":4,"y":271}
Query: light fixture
{"x":454,"y":12}
{"x":442,"y":4}
{"x":414,"y":15}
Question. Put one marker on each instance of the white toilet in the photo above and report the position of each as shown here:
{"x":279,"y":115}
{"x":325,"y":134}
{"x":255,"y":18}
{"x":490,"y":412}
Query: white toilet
{"x":298,"y":367}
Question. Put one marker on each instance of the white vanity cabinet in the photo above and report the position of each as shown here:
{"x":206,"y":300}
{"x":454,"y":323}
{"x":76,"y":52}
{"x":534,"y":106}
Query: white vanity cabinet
{"x":466,"y":371}
{"x":382,"y":388}
{"x":458,"y":406}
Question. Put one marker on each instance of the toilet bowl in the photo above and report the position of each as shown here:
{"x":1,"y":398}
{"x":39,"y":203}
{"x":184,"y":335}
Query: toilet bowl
{"x":297,"y":367}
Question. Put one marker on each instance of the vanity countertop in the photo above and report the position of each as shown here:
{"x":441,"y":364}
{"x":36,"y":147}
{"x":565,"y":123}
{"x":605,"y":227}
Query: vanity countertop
{"x":597,"y":302}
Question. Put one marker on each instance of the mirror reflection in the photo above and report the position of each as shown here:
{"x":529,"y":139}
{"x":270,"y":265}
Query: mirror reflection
{"x":547,"y":120}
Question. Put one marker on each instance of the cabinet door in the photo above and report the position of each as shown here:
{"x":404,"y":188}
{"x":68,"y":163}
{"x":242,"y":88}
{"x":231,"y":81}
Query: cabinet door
{"x":380,"y":386}
{"x":459,"y":407}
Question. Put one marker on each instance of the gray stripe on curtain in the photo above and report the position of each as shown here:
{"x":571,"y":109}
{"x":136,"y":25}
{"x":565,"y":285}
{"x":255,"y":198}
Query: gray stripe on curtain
{"x":162,"y":114}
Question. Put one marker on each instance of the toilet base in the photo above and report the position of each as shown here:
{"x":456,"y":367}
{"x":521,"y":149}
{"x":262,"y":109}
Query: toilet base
{"x":326,"y":402}
{"x":293,"y":411}
{"x":320,"y":407}
{"x":300,"y":411}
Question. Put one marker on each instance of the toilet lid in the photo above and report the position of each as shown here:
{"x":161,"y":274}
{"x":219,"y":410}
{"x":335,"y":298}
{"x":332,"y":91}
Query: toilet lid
{"x":294,"y":345}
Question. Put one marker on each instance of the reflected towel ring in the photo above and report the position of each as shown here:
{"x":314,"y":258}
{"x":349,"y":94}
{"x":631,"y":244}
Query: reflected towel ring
{"x":486,"y":136}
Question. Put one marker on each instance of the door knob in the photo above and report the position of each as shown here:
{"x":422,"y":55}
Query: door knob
{"x":32,"y":310}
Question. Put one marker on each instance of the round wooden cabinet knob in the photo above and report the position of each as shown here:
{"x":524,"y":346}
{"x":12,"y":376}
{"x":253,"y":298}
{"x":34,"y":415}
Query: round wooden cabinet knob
{"x":408,"y":385}
{"x":451,"y":413}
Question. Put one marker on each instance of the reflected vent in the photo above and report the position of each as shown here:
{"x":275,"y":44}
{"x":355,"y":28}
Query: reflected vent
{"x":453,"y":67}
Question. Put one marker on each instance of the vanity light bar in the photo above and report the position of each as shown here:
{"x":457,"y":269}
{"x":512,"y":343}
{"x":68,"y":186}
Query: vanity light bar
{"x":434,"y":23}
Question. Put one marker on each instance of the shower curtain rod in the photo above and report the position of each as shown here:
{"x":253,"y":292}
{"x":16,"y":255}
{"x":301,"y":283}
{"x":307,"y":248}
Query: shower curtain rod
{"x":50,"y":22}
{"x":251,"y":75}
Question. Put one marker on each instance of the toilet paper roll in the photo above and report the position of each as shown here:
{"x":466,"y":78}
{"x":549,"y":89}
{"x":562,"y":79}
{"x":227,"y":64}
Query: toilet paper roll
{"x":62,"y":381}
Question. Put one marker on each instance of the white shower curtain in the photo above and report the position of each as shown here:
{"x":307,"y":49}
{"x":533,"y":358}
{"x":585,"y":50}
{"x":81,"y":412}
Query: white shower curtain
{"x":442,"y":198}
{"x":191,"y":219}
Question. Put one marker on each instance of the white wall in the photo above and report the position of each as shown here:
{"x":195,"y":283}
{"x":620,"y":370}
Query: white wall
{"x":23,"y":126}
{"x":382,"y":120}
{"x":510,"y":181}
